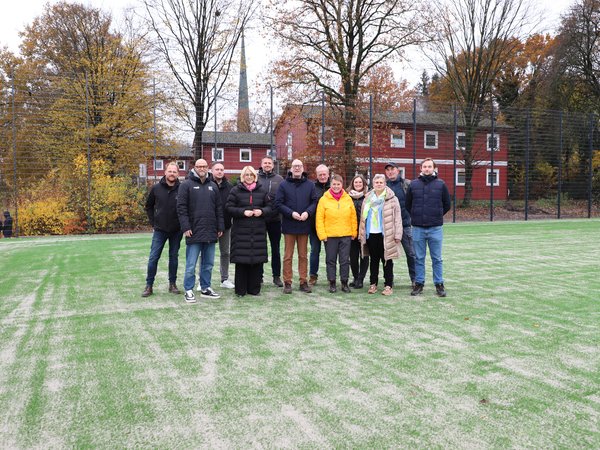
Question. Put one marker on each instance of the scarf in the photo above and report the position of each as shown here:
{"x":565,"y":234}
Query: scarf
{"x":356,"y":194}
{"x":338,"y":195}
{"x":373,"y":210}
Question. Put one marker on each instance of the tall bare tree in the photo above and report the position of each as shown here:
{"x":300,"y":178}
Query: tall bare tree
{"x":197,"y":39}
{"x":331,"y":46}
{"x":476,"y":39}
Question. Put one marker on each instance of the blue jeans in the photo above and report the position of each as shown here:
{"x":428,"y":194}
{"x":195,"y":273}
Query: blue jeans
{"x":159,"y":238}
{"x":432,"y":237}
{"x":315,"y":252}
{"x":409,"y":251}
{"x":207,"y":260}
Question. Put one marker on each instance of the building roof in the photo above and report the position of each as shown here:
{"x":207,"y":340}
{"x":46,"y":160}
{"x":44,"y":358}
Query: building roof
{"x":236,"y":138}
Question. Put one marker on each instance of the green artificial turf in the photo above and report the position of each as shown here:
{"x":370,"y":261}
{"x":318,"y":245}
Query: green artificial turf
{"x":511,"y":358}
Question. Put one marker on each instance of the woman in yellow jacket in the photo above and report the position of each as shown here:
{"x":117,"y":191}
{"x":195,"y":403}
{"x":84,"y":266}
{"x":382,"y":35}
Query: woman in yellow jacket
{"x":336,"y":226}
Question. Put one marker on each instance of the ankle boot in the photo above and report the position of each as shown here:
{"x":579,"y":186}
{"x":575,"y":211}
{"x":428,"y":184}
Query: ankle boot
{"x":332,"y":286}
{"x":353,"y":283}
{"x":345,"y":287}
{"x":358,"y":284}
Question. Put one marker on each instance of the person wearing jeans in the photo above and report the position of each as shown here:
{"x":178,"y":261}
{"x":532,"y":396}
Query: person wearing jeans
{"x":322,"y":185}
{"x":218,"y":175}
{"x":428,"y":199}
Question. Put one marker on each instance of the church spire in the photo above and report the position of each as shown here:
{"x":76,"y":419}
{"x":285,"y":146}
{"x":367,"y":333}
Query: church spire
{"x":243,"y":115}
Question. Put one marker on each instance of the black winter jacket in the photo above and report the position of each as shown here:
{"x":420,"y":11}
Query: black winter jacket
{"x":224,"y":190}
{"x":271,"y":182}
{"x":161,"y":206}
{"x":320,"y":189}
{"x":296,"y":195}
{"x":398,"y":186}
{"x":248,"y":234}
{"x":199,"y":209}
{"x":428,"y":199}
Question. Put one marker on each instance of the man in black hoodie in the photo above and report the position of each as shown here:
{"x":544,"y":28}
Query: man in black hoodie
{"x":161,"y":207}
{"x":218,"y":176}
{"x":322,"y":185}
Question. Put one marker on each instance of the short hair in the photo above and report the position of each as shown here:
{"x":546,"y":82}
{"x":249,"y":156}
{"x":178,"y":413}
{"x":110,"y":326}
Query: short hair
{"x":337,"y":177}
{"x":429,"y":159}
{"x":378,"y":176}
{"x":216,"y":163}
{"x":364,"y":180}
{"x":267,"y":157}
{"x":172,"y":163}
{"x":321,"y":166}
{"x":248,"y":169}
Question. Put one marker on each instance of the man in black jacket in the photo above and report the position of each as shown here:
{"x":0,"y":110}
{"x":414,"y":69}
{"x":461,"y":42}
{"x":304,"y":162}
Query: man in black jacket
{"x":322,"y":185}
{"x":218,"y":175}
{"x":200,"y":214}
{"x":428,"y":199}
{"x":161,"y":207}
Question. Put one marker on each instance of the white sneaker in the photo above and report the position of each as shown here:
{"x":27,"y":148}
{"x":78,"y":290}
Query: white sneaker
{"x":190,"y":297}
{"x":227,"y":284}
{"x":209,"y":293}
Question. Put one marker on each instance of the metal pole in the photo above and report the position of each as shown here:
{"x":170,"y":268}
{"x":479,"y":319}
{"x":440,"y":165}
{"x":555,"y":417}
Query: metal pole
{"x":414,"y":117}
{"x":154,"y":125}
{"x":591,"y":167}
{"x":527,"y":149}
{"x":370,"y":138}
{"x":560,"y":152}
{"x":89,"y":155}
{"x":215,"y":152}
{"x":322,"y":127}
{"x":14,"y":136}
{"x":454,"y":166}
{"x":271,"y":126}
{"x":493,"y":175}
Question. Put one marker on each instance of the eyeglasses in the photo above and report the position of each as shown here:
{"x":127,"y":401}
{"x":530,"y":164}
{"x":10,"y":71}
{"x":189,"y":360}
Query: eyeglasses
{"x":201,"y":167}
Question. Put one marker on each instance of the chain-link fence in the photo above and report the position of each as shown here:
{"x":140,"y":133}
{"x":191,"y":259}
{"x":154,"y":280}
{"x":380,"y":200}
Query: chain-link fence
{"x":78,"y":156}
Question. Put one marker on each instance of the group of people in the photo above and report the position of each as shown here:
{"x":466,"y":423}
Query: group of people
{"x":359,"y":228}
{"x":6,"y":227}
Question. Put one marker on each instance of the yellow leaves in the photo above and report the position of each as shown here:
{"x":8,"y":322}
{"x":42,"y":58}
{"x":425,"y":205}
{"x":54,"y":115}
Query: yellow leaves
{"x":48,"y":216}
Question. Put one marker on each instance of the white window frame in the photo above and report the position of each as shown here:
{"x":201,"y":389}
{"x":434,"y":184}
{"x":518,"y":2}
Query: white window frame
{"x":459,"y":135}
{"x":487,"y":142}
{"x":249,"y":150}
{"x":180,"y":164}
{"x":401,"y":172}
{"x":218,"y":149}
{"x":362,"y":132}
{"x":327,"y":130}
{"x":430,"y":133}
{"x":398,"y":143}
{"x":459,"y":171}
{"x":159,"y":164}
{"x":289,"y":145}
{"x":487,"y":177}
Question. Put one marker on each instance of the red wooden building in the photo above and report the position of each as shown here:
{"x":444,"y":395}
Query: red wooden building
{"x":298,"y":135}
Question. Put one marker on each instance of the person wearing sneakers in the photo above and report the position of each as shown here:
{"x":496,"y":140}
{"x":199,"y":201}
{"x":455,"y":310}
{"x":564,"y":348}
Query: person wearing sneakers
{"x":428,"y":200}
{"x":161,"y":208}
{"x":218,"y":175}
{"x":336,"y":227}
{"x":249,"y":205}
{"x":201,"y":217}
{"x":380,"y":232}
{"x":296,"y":200}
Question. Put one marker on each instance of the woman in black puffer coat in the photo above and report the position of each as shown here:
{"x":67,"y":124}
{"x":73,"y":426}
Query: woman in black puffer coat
{"x":248,"y":205}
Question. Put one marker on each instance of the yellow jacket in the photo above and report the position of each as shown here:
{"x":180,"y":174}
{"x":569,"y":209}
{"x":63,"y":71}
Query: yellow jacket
{"x":336,"y":218}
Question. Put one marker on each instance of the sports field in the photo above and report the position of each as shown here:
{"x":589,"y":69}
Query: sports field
{"x":511,"y":358}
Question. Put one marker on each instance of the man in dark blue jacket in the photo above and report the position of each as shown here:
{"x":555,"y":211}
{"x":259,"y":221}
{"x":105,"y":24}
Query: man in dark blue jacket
{"x":296,"y":200}
{"x":218,"y":176}
{"x":161,"y":207}
{"x":201,"y":217}
{"x":400,"y":186}
{"x":428,"y":199}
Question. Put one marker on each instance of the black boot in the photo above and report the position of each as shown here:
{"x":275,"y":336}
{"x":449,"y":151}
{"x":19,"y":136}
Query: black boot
{"x":353,"y":283}
{"x":358,"y":284}
{"x":345,"y":287}
{"x":332,"y":286}
{"x":277,"y":281}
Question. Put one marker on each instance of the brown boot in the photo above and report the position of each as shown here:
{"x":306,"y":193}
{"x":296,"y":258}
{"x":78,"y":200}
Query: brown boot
{"x":345,"y":287}
{"x":287,"y":288}
{"x":304,"y":287}
{"x":147,"y":292}
{"x":313,"y":280}
{"x":173,"y":289}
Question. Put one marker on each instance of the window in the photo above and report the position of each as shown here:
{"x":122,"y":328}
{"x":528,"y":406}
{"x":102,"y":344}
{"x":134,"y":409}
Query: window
{"x":181,"y":165}
{"x":492,"y":177}
{"x":460,"y":177}
{"x":329,"y":139}
{"x":245,"y":155}
{"x":158,"y":164}
{"x":217,"y":154}
{"x":493,"y":142}
{"x":362,"y":137}
{"x":289,"y":145}
{"x":431,"y":139}
{"x":401,"y":172}
{"x":398,"y":138}
{"x":142,"y":173}
{"x":461,"y":141}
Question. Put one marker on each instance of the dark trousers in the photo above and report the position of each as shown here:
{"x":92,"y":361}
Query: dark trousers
{"x":274,"y":233}
{"x":247,"y":278}
{"x":358,"y":264}
{"x":338,"y":248}
{"x":315,"y":252}
{"x":376,"y":251}
{"x":409,"y":251}
{"x":159,"y":239}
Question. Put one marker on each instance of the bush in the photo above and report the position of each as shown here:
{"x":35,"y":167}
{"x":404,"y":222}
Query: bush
{"x":47,"y":216}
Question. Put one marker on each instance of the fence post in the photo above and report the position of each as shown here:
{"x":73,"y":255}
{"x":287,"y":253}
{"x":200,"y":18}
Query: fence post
{"x":492,"y":173}
{"x":591,"y":165}
{"x":527,"y":145}
{"x":414,"y":117}
{"x":89,"y":156}
{"x":154,"y":126}
{"x":215,"y":151}
{"x":371,"y":138}
{"x":560,"y":153}
{"x":454,"y":166}
{"x":322,"y":127}
{"x":14,"y":138}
